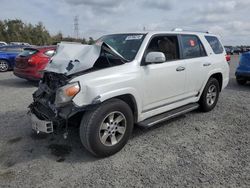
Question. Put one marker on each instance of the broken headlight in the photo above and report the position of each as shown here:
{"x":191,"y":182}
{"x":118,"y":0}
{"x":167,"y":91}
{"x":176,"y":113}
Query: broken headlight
{"x":67,"y":93}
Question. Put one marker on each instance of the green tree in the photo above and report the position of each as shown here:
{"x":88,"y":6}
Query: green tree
{"x":18,"y":31}
{"x":91,"y":40}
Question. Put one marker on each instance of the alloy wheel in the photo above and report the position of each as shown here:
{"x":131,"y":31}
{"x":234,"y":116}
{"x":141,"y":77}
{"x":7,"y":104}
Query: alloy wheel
{"x":3,"y":66}
{"x":113,"y":128}
{"x":211,"y":95}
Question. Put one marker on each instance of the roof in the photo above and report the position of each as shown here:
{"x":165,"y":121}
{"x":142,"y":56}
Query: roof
{"x":177,"y":31}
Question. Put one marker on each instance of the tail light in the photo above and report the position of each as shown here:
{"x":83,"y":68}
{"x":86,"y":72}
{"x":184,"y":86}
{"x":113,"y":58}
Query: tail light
{"x":32,"y":61}
{"x":228,"y":58}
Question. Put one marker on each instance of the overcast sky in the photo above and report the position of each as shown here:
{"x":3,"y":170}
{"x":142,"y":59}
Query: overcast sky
{"x":228,"y":18}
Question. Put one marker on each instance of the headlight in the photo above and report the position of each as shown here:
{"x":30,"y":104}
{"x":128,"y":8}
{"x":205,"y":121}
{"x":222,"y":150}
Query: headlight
{"x":67,"y":93}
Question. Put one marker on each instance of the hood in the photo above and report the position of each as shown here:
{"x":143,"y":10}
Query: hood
{"x":71,"y":58}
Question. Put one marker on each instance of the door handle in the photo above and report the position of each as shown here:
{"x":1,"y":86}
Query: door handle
{"x":179,"y":69}
{"x":206,"y":64}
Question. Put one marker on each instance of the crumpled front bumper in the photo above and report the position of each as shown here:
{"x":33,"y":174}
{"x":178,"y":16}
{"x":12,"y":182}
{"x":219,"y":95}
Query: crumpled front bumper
{"x":41,"y":125}
{"x":47,"y":118}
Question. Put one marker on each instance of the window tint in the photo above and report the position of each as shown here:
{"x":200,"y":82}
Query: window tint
{"x":167,"y":45}
{"x":50,"y":53}
{"x":192,"y":47}
{"x":215,"y":44}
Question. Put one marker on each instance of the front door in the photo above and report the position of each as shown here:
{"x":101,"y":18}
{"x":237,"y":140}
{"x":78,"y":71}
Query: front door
{"x":164,"y":83}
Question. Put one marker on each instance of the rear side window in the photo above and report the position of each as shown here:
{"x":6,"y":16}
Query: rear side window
{"x":27,"y":52}
{"x":50,"y":53}
{"x":215,"y":44}
{"x":192,"y":47}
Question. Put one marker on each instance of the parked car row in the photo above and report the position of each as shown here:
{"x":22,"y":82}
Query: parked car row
{"x":2,"y":43}
{"x":27,"y":61}
{"x":236,"y":50}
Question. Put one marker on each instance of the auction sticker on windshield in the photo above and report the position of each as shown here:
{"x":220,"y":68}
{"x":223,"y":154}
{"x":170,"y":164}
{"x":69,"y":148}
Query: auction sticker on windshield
{"x":134,"y":37}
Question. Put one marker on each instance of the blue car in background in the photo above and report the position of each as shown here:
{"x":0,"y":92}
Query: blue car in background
{"x":243,"y":70}
{"x":8,"y":54}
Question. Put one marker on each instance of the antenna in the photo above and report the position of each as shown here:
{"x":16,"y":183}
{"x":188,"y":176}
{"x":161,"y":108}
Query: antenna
{"x":76,"y":27}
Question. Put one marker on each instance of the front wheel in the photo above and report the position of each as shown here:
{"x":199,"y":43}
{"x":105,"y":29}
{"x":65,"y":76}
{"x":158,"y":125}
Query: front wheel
{"x":106,"y":129}
{"x":210,"y":95}
{"x":4,"y":66}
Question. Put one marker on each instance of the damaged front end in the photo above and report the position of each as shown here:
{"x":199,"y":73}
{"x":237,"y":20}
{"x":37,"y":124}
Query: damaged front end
{"x":44,"y":106}
{"x":52,"y":104}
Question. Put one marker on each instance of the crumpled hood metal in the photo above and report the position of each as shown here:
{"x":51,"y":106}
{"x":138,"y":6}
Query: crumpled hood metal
{"x":71,"y":58}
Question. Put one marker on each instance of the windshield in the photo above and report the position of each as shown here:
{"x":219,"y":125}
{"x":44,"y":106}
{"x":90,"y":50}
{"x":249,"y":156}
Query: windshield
{"x":125,"y":44}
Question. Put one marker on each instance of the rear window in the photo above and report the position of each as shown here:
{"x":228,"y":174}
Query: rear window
{"x":192,"y":47}
{"x":27,"y":52}
{"x":215,"y":44}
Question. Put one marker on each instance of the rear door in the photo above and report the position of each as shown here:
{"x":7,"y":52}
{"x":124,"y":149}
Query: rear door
{"x":196,"y":61}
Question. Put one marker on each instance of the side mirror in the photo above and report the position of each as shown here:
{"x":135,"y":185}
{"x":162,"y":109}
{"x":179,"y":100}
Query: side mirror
{"x":155,"y":57}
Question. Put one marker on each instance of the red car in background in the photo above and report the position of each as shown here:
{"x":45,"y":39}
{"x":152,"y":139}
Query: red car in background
{"x":32,"y":60}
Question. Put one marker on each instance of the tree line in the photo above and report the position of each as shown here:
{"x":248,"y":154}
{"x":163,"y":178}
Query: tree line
{"x":18,"y":31}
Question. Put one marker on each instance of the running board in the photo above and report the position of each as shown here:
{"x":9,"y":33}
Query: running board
{"x":168,"y":115}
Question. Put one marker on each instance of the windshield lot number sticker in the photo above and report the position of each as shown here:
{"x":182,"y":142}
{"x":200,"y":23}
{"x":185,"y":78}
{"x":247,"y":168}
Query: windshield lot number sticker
{"x":134,"y":37}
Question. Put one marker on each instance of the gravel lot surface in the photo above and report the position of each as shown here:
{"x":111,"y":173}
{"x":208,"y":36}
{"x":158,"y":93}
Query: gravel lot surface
{"x":194,"y":150}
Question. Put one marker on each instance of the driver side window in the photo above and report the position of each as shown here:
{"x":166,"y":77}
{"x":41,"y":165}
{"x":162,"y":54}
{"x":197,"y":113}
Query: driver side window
{"x":167,"y":45}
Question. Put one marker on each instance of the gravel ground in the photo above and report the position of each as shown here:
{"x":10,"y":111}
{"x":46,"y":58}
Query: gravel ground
{"x":194,"y":150}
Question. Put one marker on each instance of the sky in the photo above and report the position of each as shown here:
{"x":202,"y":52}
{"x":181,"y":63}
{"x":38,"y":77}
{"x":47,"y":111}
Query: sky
{"x":227,"y":18}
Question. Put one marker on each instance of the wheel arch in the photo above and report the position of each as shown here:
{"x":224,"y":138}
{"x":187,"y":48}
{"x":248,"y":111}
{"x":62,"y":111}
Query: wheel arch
{"x":5,"y":59}
{"x":130,"y":100}
{"x":218,"y":76}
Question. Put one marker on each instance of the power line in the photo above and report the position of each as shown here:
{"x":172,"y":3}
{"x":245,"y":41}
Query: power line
{"x":76,"y":27}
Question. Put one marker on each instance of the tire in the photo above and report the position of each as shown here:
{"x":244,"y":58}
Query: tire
{"x":97,"y":128}
{"x":241,"y":80}
{"x":4,"y":65}
{"x":210,"y":95}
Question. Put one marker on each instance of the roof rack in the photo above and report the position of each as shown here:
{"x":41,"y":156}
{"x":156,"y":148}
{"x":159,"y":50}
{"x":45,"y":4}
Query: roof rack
{"x":182,"y":30}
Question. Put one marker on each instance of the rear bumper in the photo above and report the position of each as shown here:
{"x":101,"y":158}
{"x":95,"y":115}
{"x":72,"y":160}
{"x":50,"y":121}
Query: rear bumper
{"x":241,"y":73}
{"x":28,"y":74}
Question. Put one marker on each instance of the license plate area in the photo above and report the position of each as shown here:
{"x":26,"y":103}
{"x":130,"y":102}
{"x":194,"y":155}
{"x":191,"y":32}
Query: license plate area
{"x":41,"y":125}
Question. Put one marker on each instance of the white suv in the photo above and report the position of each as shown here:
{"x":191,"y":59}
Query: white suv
{"x":127,"y":79}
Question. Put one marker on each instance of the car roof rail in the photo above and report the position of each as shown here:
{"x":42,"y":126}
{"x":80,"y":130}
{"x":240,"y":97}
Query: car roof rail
{"x":182,"y":30}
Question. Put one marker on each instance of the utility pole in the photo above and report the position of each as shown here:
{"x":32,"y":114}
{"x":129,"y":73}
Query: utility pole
{"x":76,"y":27}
